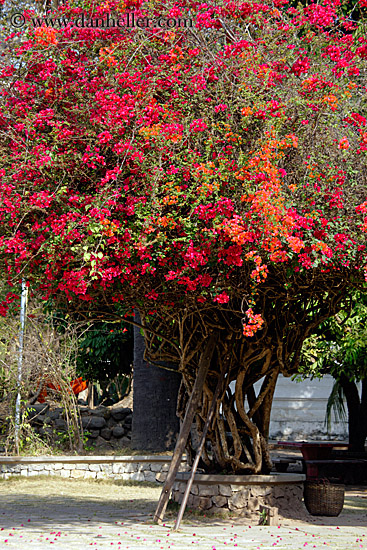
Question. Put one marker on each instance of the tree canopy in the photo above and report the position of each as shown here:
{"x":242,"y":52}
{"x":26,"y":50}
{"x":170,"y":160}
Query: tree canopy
{"x":211,"y":174}
{"x":338,"y":347}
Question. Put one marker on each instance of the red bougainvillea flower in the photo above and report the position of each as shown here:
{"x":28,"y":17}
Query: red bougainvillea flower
{"x":136,"y":164}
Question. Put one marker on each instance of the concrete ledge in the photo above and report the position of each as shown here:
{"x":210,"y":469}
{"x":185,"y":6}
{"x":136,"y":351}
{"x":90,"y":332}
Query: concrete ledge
{"x":106,"y":459}
{"x":273,"y":479}
{"x":136,"y":468}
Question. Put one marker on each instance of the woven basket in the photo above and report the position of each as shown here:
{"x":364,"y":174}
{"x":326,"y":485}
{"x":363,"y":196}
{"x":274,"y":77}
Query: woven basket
{"x":323,"y":498}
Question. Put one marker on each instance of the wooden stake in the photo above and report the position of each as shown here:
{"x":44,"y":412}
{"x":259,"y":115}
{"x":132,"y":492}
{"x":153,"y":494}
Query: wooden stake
{"x":191,"y":409}
{"x":200,"y":449}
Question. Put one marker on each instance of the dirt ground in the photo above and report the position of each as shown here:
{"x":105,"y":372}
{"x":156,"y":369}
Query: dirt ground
{"x":135,"y":498}
{"x":80,"y":514}
{"x":41,"y":489}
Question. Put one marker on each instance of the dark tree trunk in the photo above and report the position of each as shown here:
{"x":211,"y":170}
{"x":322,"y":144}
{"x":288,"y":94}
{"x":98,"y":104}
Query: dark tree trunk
{"x":357,"y":413}
{"x":155,"y":423}
{"x":363,"y":411}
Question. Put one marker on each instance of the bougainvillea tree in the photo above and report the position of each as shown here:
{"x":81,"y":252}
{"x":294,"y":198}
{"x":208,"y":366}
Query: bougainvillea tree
{"x":211,"y":174}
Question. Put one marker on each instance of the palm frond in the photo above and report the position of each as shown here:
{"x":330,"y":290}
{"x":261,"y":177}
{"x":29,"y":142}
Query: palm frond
{"x":335,"y":404}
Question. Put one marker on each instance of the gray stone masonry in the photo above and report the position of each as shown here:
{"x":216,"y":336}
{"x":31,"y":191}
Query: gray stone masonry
{"x":243,"y":495}
{"x":108,"y":427}
{"x":138,"y":468}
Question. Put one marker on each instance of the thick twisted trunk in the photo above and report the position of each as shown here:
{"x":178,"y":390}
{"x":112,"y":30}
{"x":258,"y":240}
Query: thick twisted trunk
{"x":237,"y":437}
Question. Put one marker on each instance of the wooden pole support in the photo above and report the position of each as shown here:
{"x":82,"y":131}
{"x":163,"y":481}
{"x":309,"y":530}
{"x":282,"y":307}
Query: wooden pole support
{"x":191,"y":409}
{"x":200,"y":448}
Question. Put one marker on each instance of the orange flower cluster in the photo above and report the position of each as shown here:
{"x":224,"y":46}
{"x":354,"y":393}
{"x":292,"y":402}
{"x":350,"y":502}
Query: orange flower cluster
{"x":331,"y":100}
{"x":46,"y":36}
{"x":295,"y":243}
{"x":106,"y":55}
{"x":159,"y":129}
{"x":166,"y":221}
{"x":260,"y":272}
{"x":110,"y":227}
{"x":254,"y":323}
{"x":343,"y":143}
{"x":246,"y":111}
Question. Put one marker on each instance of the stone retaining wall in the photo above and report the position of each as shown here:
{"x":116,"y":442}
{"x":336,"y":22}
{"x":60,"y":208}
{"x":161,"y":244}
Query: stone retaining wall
{"x":105,"y":427}
{"x":242,"y":495}
{"x":137,"y":468}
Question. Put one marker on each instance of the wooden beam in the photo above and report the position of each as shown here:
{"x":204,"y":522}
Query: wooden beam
{"x":213,"y":406}
{"x":191,"y":409}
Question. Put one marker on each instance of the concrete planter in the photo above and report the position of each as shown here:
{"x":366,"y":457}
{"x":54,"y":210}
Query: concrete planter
{"x":242,"y":495}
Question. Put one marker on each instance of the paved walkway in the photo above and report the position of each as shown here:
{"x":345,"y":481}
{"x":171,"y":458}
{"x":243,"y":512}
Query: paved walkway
{"x":34,"y":522}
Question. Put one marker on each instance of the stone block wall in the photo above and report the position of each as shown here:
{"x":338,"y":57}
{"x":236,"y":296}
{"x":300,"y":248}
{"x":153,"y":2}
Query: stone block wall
{"x":135,"y":468}
{"x":105,"y":427}
{"x":243,"y":495}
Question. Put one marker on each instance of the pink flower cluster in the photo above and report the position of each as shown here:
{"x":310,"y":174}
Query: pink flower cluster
{"x":198,"y":125}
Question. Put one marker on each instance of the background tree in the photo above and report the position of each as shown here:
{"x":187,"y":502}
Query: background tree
{"x":105,"y":356}
{"x":48,"y":360}
{"x":212,"y":177}
{"x":339,"y":348}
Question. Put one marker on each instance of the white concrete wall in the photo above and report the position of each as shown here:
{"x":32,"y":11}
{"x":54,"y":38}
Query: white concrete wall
{"x":299,"y":410}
